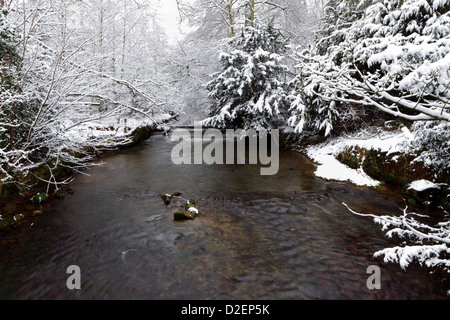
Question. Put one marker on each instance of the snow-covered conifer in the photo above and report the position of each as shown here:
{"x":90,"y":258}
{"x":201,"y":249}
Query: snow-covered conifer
{"x":249,"y":91}
{"x":396,"y":58}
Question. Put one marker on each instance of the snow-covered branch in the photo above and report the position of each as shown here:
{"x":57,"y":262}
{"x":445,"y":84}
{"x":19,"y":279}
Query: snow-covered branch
{"x":426,"y":244}
{"x":393,"y":55}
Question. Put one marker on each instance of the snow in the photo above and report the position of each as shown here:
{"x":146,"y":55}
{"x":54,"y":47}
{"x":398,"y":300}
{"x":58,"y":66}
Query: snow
{"x":118,"y":127}
{"x":405,"y":255}
{"x":193,"y":210}
{"x":330,"y":168}
{"x":422,"y":185}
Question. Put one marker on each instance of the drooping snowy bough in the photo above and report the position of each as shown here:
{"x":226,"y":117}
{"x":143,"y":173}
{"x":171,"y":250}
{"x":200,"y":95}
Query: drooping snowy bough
{"x":393,"y":55}
{"x":426,"y":244}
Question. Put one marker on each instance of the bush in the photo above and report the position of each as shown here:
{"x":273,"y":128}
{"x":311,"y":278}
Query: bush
{"x":433,"y":144}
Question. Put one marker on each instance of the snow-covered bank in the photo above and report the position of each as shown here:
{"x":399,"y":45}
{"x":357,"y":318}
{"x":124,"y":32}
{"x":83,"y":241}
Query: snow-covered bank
{"x":115,"y":128}
{"x":329,"y":167}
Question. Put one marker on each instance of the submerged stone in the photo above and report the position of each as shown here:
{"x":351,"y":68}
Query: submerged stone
{"x":189,"y":214}
{"x":180,"y":215}
{"x":166,"y":198}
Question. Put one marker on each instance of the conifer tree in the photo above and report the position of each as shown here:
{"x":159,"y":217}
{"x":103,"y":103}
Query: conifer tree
{"x":393,"y":57}
{"x":249,"y":91}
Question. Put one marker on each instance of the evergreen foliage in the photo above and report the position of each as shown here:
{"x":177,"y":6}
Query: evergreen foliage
{"x":393,"y":55}
{"x":250,"y":91}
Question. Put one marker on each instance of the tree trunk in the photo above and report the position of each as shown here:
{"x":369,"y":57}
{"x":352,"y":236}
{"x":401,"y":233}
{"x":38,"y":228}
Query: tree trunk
{"x":230,"y":15}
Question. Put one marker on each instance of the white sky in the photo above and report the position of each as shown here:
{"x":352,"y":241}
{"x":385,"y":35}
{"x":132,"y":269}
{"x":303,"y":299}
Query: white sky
{"x":170,"y":19}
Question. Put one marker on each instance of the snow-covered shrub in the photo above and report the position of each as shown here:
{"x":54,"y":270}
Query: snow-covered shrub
{"x":395,"y":57}
{"x":249,"y":91}
{"x":432,"y":140}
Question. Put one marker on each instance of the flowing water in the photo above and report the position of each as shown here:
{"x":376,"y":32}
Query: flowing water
{"x":286,"y":236}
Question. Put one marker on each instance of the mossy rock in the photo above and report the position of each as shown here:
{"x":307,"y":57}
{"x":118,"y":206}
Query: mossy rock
{"x":188,"y":205}
{"x":192,"y":212}
{"x":181,"y":215}
{"x":429,"y":198}
{"x":188,"y":214}
{"x":166,"y":198}
{"x":142,"y":133}
{"x":39,"y":198}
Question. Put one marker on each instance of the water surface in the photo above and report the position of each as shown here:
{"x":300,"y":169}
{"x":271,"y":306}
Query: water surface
{"x":286,"y":236}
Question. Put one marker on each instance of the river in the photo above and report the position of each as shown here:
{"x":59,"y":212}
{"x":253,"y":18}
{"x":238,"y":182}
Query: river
{"x":286,"y":236}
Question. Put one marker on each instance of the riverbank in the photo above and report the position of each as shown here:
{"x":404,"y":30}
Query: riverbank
{"x":18,"y":206}
{"x":379,"y":158}
{"x":382,"y":157}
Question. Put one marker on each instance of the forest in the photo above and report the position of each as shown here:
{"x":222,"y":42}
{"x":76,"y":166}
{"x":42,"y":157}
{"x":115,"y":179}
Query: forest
{"x":361,"y":87}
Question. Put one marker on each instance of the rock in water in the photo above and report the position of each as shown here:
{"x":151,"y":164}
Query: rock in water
{"x":427,"y":193}
{"x":189,"y":214}
{"x":180,"y":215}
{"x":166,"y":198}
{"x":39,"y":198}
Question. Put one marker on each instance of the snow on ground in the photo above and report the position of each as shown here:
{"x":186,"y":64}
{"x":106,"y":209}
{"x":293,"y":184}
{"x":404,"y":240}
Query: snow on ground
{"x":422,"y":185}
{"x":114,"y":127}
{"x":330,"y":168}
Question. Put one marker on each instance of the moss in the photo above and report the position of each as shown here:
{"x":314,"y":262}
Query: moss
{"x":412,"y":201}
{"x":39,"y":198}
{"x":397,"y":170}
{"x":180,"y":215}
{"x":351,"y":156}
{"x":141,"y":134}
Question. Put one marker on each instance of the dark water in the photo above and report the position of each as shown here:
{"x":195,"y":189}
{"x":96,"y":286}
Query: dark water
{"x":258,"y":237}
